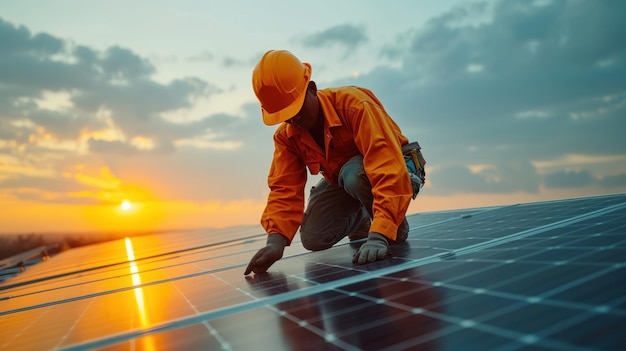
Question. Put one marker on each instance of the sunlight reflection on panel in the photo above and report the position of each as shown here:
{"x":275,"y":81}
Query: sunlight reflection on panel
{"x":141,"y":307}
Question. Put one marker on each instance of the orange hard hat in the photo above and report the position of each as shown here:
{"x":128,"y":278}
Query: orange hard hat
{"x":280,"y":82}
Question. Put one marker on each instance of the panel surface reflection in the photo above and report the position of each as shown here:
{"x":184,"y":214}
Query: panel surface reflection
{"x":530,"y":276}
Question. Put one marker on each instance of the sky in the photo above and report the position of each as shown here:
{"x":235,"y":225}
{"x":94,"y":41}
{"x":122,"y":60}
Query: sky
{"x":125,"y":116}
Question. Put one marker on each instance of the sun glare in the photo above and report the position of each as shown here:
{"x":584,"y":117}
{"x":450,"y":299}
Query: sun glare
{"x":126,"y":205}
{"x":128,"y":209}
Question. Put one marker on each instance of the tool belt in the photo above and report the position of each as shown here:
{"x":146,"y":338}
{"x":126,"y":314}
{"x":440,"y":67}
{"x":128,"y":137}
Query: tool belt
{"x":415,"y":163}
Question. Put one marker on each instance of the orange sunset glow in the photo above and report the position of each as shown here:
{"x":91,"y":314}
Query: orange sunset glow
{"x":131,"y":200}
{"x":17,"y":216}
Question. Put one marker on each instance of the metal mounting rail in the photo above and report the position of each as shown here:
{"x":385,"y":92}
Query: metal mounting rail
{"x":20,"y":260}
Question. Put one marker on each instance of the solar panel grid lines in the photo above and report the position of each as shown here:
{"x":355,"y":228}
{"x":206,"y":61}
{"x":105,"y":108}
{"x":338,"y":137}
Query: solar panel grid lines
{"x":543,"y":276}
{"x":224,"y":345}
{"x":229,"y":310}
{"x":104,"y":274}
{"x":529,"y":337}
{"x":95,"y":267}
{"x":95,"y":294}
{"x":540,"y":229}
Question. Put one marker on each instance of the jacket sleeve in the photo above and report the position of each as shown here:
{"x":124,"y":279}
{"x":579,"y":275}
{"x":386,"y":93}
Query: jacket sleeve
{"x":287,"y":178}
{"x":378,"y":138}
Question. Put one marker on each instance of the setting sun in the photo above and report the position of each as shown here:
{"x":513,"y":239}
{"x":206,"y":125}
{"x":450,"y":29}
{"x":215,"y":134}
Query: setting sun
{"x":126,"y":205}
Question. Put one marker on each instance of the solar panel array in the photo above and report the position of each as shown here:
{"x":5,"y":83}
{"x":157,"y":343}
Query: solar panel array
{"x":537,"y":276}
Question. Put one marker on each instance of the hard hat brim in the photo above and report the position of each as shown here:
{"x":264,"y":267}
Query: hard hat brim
{"x":290,"y":111}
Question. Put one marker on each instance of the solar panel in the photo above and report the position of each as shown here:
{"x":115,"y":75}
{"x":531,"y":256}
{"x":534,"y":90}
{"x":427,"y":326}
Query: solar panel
{"x":546,"y":275}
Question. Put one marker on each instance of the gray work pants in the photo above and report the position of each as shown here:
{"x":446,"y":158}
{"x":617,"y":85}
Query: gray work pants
{"x":334,"y":211}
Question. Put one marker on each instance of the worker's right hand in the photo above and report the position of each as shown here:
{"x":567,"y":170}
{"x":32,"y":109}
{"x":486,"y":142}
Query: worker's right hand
{"x":375,"y":248}
{"x":272,"y":252}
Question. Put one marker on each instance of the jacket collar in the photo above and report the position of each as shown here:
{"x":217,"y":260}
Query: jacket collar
{"x":331,"y":118}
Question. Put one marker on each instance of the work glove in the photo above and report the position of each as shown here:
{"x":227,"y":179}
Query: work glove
{"x":375,"y":248}
{"x":272,"y":252}
{"x":416,"y":184}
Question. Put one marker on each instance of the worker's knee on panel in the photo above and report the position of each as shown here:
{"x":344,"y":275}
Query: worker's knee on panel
{"x":315,"y":241}
{"x":352,"y":177}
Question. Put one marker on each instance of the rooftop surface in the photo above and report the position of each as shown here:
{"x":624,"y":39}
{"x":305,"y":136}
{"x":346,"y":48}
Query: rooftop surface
{"x":536,"y":276}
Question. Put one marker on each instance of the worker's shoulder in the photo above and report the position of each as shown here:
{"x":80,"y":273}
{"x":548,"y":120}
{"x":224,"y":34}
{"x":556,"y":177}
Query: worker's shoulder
{"x":350,"y":94}
{"x":285,"y":131}
{"x":281,"y":129}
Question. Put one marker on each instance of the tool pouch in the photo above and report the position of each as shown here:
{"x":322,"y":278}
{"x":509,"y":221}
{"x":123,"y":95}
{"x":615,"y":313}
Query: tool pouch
{"x":415,"y":162}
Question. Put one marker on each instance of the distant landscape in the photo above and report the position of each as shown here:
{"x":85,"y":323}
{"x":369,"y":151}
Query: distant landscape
{"x":14,"y":244}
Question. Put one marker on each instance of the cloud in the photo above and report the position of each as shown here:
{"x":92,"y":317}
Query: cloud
{"x":347,"y":35}
{"x":123,"y":64}
{"x":111,"y":90}
{"x":232,"y":62}
{"x":577,"y":179}
{"x":53,"y":184}
{"x":569,"y":179}
{"x":115,"y":147}
{"x":614,"y":181}
{"x":203,"y":56}
{"x":466,"y":79}
{"x":18,"y":40}
{"x":74,"y":185}
{"x":62,"y":104}
{"x":109,"y":106}
{"x":501,"y":177}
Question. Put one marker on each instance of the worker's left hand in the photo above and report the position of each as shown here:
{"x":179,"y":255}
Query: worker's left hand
{"x":375,"y":248}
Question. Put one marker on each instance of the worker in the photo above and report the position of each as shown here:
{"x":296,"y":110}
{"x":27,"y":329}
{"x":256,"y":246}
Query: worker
{"x":370,"y":170}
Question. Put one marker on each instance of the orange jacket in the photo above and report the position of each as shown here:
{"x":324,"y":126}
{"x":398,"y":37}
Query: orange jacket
{"x":355,"y":123}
